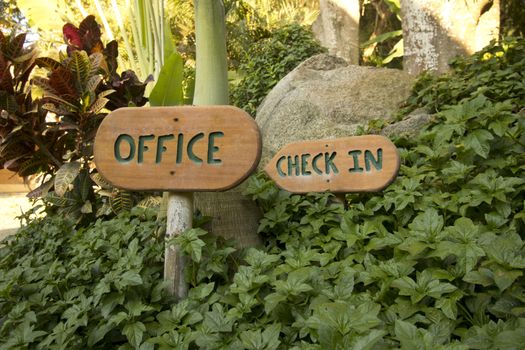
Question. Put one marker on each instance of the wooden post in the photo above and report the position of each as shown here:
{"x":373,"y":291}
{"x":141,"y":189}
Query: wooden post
{"x":341,"y":198}
{"x":181,"y":150}
{"x":179,"y":219}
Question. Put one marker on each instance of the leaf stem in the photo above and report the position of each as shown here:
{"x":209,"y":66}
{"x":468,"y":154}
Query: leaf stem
{"x":515,"y":139}
{"x":46,"y":151}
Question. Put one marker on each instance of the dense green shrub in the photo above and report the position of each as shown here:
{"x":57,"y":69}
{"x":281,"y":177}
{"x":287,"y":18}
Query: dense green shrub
{"x":66,"y":288}
{"x":434,"y":262}
{"x":437,"y":259}
{"x":63,"y":288}
{"x":268,"y":61}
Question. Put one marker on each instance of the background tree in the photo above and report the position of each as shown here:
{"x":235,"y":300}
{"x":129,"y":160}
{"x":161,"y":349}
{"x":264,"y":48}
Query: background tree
{"x":337,"y":28}
{"x":11,"y":18}
{"x":437,"y":30}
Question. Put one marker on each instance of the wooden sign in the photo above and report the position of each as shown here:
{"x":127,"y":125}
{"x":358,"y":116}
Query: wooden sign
{"x":186,"y":148}
{"x":352,"y":164}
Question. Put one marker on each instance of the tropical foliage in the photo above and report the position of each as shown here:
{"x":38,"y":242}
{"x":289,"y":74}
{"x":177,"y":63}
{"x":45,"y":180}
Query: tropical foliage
{"x":54,"y":134}
{"x":268,"y":60}
{"x":434,"y":262}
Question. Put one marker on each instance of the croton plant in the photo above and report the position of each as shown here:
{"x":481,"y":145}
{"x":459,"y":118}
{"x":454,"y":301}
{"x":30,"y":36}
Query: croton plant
{"x":54,"y":134}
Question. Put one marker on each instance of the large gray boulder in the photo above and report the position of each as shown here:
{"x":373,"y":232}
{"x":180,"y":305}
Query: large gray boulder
{"x":325,"y":97}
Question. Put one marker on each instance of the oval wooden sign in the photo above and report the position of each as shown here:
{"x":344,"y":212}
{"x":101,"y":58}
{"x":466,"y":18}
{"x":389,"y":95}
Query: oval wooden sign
{"x":184,"y":148}
{"x":352,"y":164}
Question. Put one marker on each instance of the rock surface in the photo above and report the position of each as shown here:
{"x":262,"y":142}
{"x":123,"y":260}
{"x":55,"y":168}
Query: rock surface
{"x":409,"y":126}
{"x":325,"y":97}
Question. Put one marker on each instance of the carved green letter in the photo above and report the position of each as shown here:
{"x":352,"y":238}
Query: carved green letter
{"x":160,"y":146}
{"x":369,"y":159}
{"x":212,"y":148}
{"x":143,"y":148}
{"x":279,"y":170}
{"x":130,"y":141}
{"x":192,"y":155}
{"x":355,"y":154}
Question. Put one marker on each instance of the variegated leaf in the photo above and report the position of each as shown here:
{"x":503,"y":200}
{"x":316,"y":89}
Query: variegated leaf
{"x":101,"y":181}
{"x":42,"y":190}
{"x":121,"y":201}
{"x":11,"y":161}
{"x":58,"y":99}
{"x":95,"y":60}
{"x":93,"y":82}
{"x":150,"y":202}
{"x":43,"y":83}
{"x":85,"y":185}
{"x":59,"y":201}
{"x":106,"y":93}
{"x":80,"y":65}
{"x":98,"y":105}
{"x":30,"y":55}
{"x":15,"y":47}
{"x":47,"y":62}
{"x":51,"y":107}
{"x":8,"y":102}
{"x":31,"y":166}
{"x":65,"y":176}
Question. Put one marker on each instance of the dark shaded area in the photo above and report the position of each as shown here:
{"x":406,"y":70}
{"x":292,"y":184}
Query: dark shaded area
{"x":378,"y":19}
{"x":512,"y":17}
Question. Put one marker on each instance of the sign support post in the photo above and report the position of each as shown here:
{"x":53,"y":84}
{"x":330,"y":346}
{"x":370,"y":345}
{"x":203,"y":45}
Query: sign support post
{"x":179,"y":219}
{"x":181,"y":150}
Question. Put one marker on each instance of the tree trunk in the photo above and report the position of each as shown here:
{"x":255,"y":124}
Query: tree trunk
{"x":434,"y":31}
{"x":337,"y":28}
{"x":233,"y":215}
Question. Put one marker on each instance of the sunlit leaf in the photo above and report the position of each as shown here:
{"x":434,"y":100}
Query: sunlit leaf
{"x":65,"y":177}
{"x":168,"y":88}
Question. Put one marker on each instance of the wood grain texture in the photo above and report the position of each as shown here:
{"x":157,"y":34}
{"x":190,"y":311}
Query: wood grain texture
{"x":226,"y":148}
{"x":352,"y":164}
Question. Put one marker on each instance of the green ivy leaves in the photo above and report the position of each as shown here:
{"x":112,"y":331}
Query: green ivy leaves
{"x":434,"y":262}
{"x":425,"y":285}
{"x":268,"y":60}
{"x":79,"y":288}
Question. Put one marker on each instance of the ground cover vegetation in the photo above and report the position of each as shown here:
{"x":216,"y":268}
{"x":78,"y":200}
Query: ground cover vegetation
{"x":433,"y":262}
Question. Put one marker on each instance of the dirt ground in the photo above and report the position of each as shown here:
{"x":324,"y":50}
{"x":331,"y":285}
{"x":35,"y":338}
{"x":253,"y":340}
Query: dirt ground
{"x":11,"y":206}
